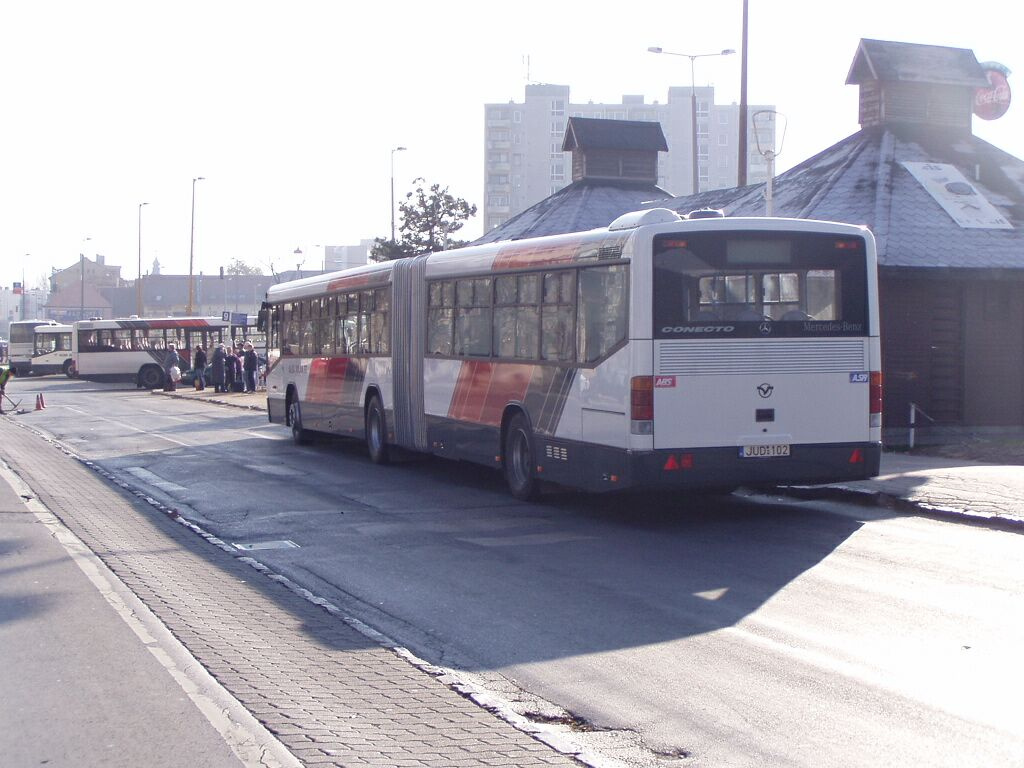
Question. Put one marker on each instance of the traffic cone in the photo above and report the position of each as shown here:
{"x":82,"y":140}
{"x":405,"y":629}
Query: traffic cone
{"x":42,"y":400}
{"x":39,"y":402}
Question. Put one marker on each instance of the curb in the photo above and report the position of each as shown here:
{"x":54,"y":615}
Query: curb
{"x":214,"y":400}
{"x":881,"y":499}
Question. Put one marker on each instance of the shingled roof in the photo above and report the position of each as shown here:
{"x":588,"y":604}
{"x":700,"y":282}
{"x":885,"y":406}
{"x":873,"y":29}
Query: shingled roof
{"x":597,"y":133}
{"x":578,"y":207}
{"x":864,"y":180}
{"x":887,"y":61}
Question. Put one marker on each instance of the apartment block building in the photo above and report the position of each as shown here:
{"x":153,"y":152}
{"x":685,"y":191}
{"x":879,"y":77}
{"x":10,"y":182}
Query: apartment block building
{"x":524,"y":162}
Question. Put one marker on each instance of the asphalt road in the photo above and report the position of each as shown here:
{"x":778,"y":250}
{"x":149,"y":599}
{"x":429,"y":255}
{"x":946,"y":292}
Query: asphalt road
{"x":735,"y":631}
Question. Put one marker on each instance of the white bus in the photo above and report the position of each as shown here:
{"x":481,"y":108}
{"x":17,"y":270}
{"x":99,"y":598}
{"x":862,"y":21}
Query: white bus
{"x":134,"y":349}
{"x":52,"y":350}
{"x":22,"y":346}
{"x":660,"y":352}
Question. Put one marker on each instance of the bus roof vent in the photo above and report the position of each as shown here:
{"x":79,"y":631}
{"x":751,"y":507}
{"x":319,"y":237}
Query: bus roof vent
{"x":641,"y":218}
{"x":706,"y":213}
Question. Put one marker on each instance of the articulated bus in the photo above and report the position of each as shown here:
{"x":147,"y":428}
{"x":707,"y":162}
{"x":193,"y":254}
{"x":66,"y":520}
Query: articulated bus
{"x":134,"y":349}
{"x":22,"y":346}
{"x":51,"y":350}
{"x":660,"y":352}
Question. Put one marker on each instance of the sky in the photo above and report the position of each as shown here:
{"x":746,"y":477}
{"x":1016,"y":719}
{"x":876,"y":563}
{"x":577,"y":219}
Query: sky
{"x":290,"y":110}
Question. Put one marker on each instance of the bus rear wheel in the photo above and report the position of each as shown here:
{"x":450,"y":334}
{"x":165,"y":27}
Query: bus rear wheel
{"x":519,"y":460}
{"x":151,"y":377}
{"x":376,"y":432}
{"x":69,"y":368}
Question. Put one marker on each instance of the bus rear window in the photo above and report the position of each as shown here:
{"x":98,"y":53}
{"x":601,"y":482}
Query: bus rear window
{"x":758,"y":283}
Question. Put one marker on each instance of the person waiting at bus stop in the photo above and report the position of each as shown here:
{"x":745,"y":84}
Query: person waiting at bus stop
{"x":199,"y":367}
{"x":250,"y":364}
{"x":218,"y":368}
{"x":5,"y":376}
{"x":172,"y":369}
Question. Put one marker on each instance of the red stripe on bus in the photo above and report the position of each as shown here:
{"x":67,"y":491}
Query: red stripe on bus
{"x":327,"y":377}
{"x":515,"y":256}
{"x":355,"y":281}
{"x":484,"y":389}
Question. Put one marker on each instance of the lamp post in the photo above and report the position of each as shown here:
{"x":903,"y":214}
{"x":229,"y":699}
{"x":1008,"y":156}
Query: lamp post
{"x":741,"y":170}
{"x":396,"y":149}
{"x":693,"y":99}
{"x":81,"y":257}
{"x":192,"y":247}
{"x":138,"y":280}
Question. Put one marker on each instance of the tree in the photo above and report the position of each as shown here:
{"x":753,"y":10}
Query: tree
{"x":239,"y":267}
{"x":430,"y":216}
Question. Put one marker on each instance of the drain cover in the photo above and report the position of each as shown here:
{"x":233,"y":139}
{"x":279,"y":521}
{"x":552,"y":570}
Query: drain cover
{"x":280,"y":544}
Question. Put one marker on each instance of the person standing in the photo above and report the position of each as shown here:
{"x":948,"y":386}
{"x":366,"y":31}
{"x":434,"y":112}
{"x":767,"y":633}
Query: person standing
{"x":250,"y":364}
{"x":172,"y":369}
{"x":5,"y":376}
{"x":218,"y":369}
{"x":232,"y":370}
{"x":199,"y":367}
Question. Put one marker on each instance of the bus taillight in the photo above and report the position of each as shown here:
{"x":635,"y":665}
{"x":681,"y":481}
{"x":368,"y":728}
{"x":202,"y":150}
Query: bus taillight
{"x":875,"y":399}
{"x":641,"y":404}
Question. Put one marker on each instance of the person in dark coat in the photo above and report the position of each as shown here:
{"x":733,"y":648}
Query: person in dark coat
{"x":250,"y":364}
{"x":199,"y":367}
{"x":232,"y":371}
{"x":172,"y":360}
{"x":218,"y":369}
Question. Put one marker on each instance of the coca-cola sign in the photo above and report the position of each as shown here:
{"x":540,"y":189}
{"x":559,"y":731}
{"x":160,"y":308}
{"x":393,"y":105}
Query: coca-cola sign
{"x":991,"y":103}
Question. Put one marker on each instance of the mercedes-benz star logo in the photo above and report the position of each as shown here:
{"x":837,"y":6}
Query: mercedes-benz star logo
{"x":765,"y":390}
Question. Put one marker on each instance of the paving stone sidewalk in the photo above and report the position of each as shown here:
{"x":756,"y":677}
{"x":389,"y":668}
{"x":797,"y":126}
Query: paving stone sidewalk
{"x":330,"y":694}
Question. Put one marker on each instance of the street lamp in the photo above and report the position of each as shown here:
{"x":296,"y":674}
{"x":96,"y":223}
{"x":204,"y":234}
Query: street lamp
{"x":396,"y":149}
{"x":81,"y":257}
{"x":693,"y":99}
{"x":138,"y":280}
{"x":192,"y":246}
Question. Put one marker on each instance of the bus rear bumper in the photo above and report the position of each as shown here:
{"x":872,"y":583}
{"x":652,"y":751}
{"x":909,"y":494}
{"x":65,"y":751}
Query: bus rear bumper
{"x":598,"y":468}
{"x":724,"y":467}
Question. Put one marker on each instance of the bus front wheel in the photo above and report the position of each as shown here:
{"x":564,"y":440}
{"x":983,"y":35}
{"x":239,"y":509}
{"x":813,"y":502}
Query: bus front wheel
{"x":376,"y":432}
{"x":69,"y":368}
{"x":300,"y":435}
{"x":519,"y":460}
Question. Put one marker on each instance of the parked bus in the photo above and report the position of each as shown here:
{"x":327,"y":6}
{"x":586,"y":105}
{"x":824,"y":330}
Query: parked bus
{"x":22,"y":345}
{"x":661,"y":352}
{"x":133,"y":349}
{"x":52,"y":350}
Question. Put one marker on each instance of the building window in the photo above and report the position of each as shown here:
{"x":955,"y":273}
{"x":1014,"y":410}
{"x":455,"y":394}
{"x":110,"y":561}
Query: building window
{"x":723,"y":140}
{"x":517,"y":116}
{"x":723,"y":118}
{"x":558,"y":172}
{"x":497,"y":178}
{"x":557,"y":126}
{"x":557,"y":107}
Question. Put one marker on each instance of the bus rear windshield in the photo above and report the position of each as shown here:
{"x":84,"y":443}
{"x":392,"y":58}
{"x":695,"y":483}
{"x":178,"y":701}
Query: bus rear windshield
{"x":759,"y":284}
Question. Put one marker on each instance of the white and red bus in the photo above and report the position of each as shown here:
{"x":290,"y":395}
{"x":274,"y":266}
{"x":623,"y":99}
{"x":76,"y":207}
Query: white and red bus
{"x":134,"y":349}
{"x":22,"y":346}
{"x":51,"y":351}
{"x":661,"y":352}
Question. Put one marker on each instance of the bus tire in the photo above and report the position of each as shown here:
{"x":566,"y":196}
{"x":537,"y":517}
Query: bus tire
{"x":519,"y":460}
{"x":377,"y":432}
{"x":300,"y":435}
{"x":68,"y":364}
{"x":151,"y":377}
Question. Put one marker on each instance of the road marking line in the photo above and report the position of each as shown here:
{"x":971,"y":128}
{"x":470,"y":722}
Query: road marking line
{"x":155,"y":480}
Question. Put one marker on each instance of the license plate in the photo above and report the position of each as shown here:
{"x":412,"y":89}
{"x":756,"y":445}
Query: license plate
{"x":764,"y":451}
